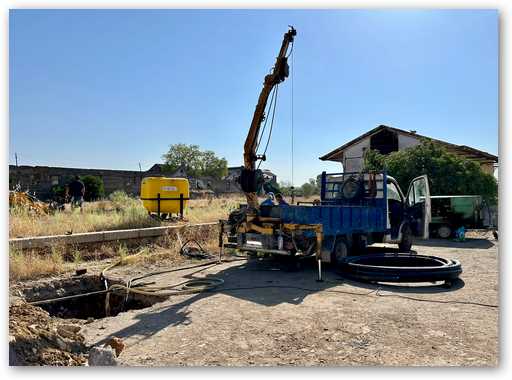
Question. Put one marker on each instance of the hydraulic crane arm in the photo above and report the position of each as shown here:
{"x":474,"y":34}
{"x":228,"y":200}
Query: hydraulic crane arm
{"x":279,"y":74}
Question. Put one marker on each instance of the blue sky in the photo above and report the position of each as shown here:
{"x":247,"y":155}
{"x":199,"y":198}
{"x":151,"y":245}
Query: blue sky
{"x":112,"y":88}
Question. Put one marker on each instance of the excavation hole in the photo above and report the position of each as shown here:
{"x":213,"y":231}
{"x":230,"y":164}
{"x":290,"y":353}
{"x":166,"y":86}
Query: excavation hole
{"x":86,"y":307}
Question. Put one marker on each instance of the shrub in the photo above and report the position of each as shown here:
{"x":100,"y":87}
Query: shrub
{"x":94,"y":188}
{"x":58,"y":192}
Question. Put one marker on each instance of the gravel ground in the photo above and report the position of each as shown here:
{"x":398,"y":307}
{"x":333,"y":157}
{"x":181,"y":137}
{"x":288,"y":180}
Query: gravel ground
{"x":287,"y":318}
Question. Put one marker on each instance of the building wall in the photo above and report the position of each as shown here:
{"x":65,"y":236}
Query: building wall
{"x":353,"y":156}
{"x":353,"y":160}
{"x":41,"y":179}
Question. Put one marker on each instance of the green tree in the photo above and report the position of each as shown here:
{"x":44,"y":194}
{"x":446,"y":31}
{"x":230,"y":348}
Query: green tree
{"x":449,"y":174}
{"x":197,"y":163}
{"x":310,"y":188}
{"x":94,"y":188}
{"x":286,"y":188}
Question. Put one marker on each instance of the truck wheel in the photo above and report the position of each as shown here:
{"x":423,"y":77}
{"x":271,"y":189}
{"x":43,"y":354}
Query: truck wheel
{"x":444,"y":231}
{"x":406,"y":242}
{"x":339,"y":254}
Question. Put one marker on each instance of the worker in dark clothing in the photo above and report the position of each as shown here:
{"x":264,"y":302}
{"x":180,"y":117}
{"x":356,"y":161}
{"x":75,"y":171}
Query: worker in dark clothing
{"x":77,"y":191}
{"x":280,"y":200}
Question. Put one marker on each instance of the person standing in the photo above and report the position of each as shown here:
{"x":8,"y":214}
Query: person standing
{"x":77,"y":192}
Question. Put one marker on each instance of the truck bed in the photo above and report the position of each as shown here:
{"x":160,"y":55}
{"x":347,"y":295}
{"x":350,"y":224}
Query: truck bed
{"x":335,"y":219}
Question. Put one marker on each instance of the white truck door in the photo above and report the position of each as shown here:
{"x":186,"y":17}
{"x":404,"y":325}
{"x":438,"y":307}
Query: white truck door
{"x":419,"y":203}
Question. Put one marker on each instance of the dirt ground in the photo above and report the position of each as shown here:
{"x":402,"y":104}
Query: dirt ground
{"x":281,"y":317}
{"x":37,"y":339}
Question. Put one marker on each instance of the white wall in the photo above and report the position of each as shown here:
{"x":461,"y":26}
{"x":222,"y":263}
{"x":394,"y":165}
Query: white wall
{"x":353,"y":156}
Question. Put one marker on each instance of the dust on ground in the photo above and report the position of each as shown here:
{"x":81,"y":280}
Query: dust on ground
{"x":265,"y":314}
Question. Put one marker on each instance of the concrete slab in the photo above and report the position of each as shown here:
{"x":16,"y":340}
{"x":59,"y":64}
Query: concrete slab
{"x":97,"y":237}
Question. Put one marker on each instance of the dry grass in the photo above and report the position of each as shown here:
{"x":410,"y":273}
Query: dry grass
{"x":32,"y":264}
{"x":97,"y":216}
{"x":121,"y":212}
{"x":211,"y":210}
{"x":117,"y":213}
{"x":28,"y":265}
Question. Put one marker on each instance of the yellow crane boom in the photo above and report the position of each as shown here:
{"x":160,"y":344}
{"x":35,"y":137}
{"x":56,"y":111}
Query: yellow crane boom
{"x":279,"y":73}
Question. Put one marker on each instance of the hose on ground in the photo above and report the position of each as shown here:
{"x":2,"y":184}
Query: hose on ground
{"x":196,"y":285}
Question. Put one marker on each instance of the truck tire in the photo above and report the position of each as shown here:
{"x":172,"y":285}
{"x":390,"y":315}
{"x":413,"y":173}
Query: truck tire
{"x":406,"y":242}
{"x":444,"y":231}
{"x":339,"y":254}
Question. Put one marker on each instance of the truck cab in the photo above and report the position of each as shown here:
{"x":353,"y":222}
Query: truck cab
{"x":406,"y":216}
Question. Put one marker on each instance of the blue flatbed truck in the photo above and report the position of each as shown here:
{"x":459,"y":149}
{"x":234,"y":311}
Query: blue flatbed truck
{"x":354,"y":210}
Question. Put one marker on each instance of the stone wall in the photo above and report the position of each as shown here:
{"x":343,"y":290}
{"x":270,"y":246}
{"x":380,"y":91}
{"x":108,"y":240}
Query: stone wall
{"x":40,"y":180}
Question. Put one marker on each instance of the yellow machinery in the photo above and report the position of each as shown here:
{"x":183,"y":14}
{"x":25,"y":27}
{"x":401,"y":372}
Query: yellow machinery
{"x":164,"y":196}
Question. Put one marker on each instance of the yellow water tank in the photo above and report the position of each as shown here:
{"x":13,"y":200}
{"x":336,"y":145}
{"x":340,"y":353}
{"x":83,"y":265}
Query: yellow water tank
{"x":150,"y":187}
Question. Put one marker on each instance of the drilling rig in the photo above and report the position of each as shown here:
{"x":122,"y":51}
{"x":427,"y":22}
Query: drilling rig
{"x":251,"y":178}
{"x":354,"y":209}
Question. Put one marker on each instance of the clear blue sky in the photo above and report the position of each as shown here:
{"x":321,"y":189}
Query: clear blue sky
{"x":112,"y":88}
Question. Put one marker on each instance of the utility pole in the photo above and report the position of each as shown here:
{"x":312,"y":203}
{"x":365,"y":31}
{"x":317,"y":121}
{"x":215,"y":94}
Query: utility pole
{"x":16,"y":158}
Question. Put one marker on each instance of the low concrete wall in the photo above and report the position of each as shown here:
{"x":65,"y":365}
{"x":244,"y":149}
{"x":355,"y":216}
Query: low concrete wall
{"x":97,"y":237}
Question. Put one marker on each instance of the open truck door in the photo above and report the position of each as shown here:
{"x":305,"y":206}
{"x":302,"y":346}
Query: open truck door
{"x":419,"y":206}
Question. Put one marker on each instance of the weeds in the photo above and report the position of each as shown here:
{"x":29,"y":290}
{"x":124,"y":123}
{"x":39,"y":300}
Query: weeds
{"x":30,"y":264}
{"x":122,"y":212}
{"x":77,"y":257}
{"x":122,"y":252}
{"x":23,"y":265}
{"x":119,"y":212}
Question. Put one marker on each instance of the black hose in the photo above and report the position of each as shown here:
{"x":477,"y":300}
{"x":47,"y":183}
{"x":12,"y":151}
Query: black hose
{"x":193,"y":252}
{"x":389,"y":267}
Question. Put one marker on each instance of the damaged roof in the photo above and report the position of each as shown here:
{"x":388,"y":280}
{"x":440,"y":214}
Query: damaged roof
{"x":457,"y":149}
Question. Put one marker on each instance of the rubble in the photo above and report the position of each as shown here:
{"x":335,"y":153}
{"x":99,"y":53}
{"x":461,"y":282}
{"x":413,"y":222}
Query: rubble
{"x":102,"y":356}
{"x":116,"y":343}
{"x":37,"y":339}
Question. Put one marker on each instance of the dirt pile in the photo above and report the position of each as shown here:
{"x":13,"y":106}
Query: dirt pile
{"x":37,"y":339}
